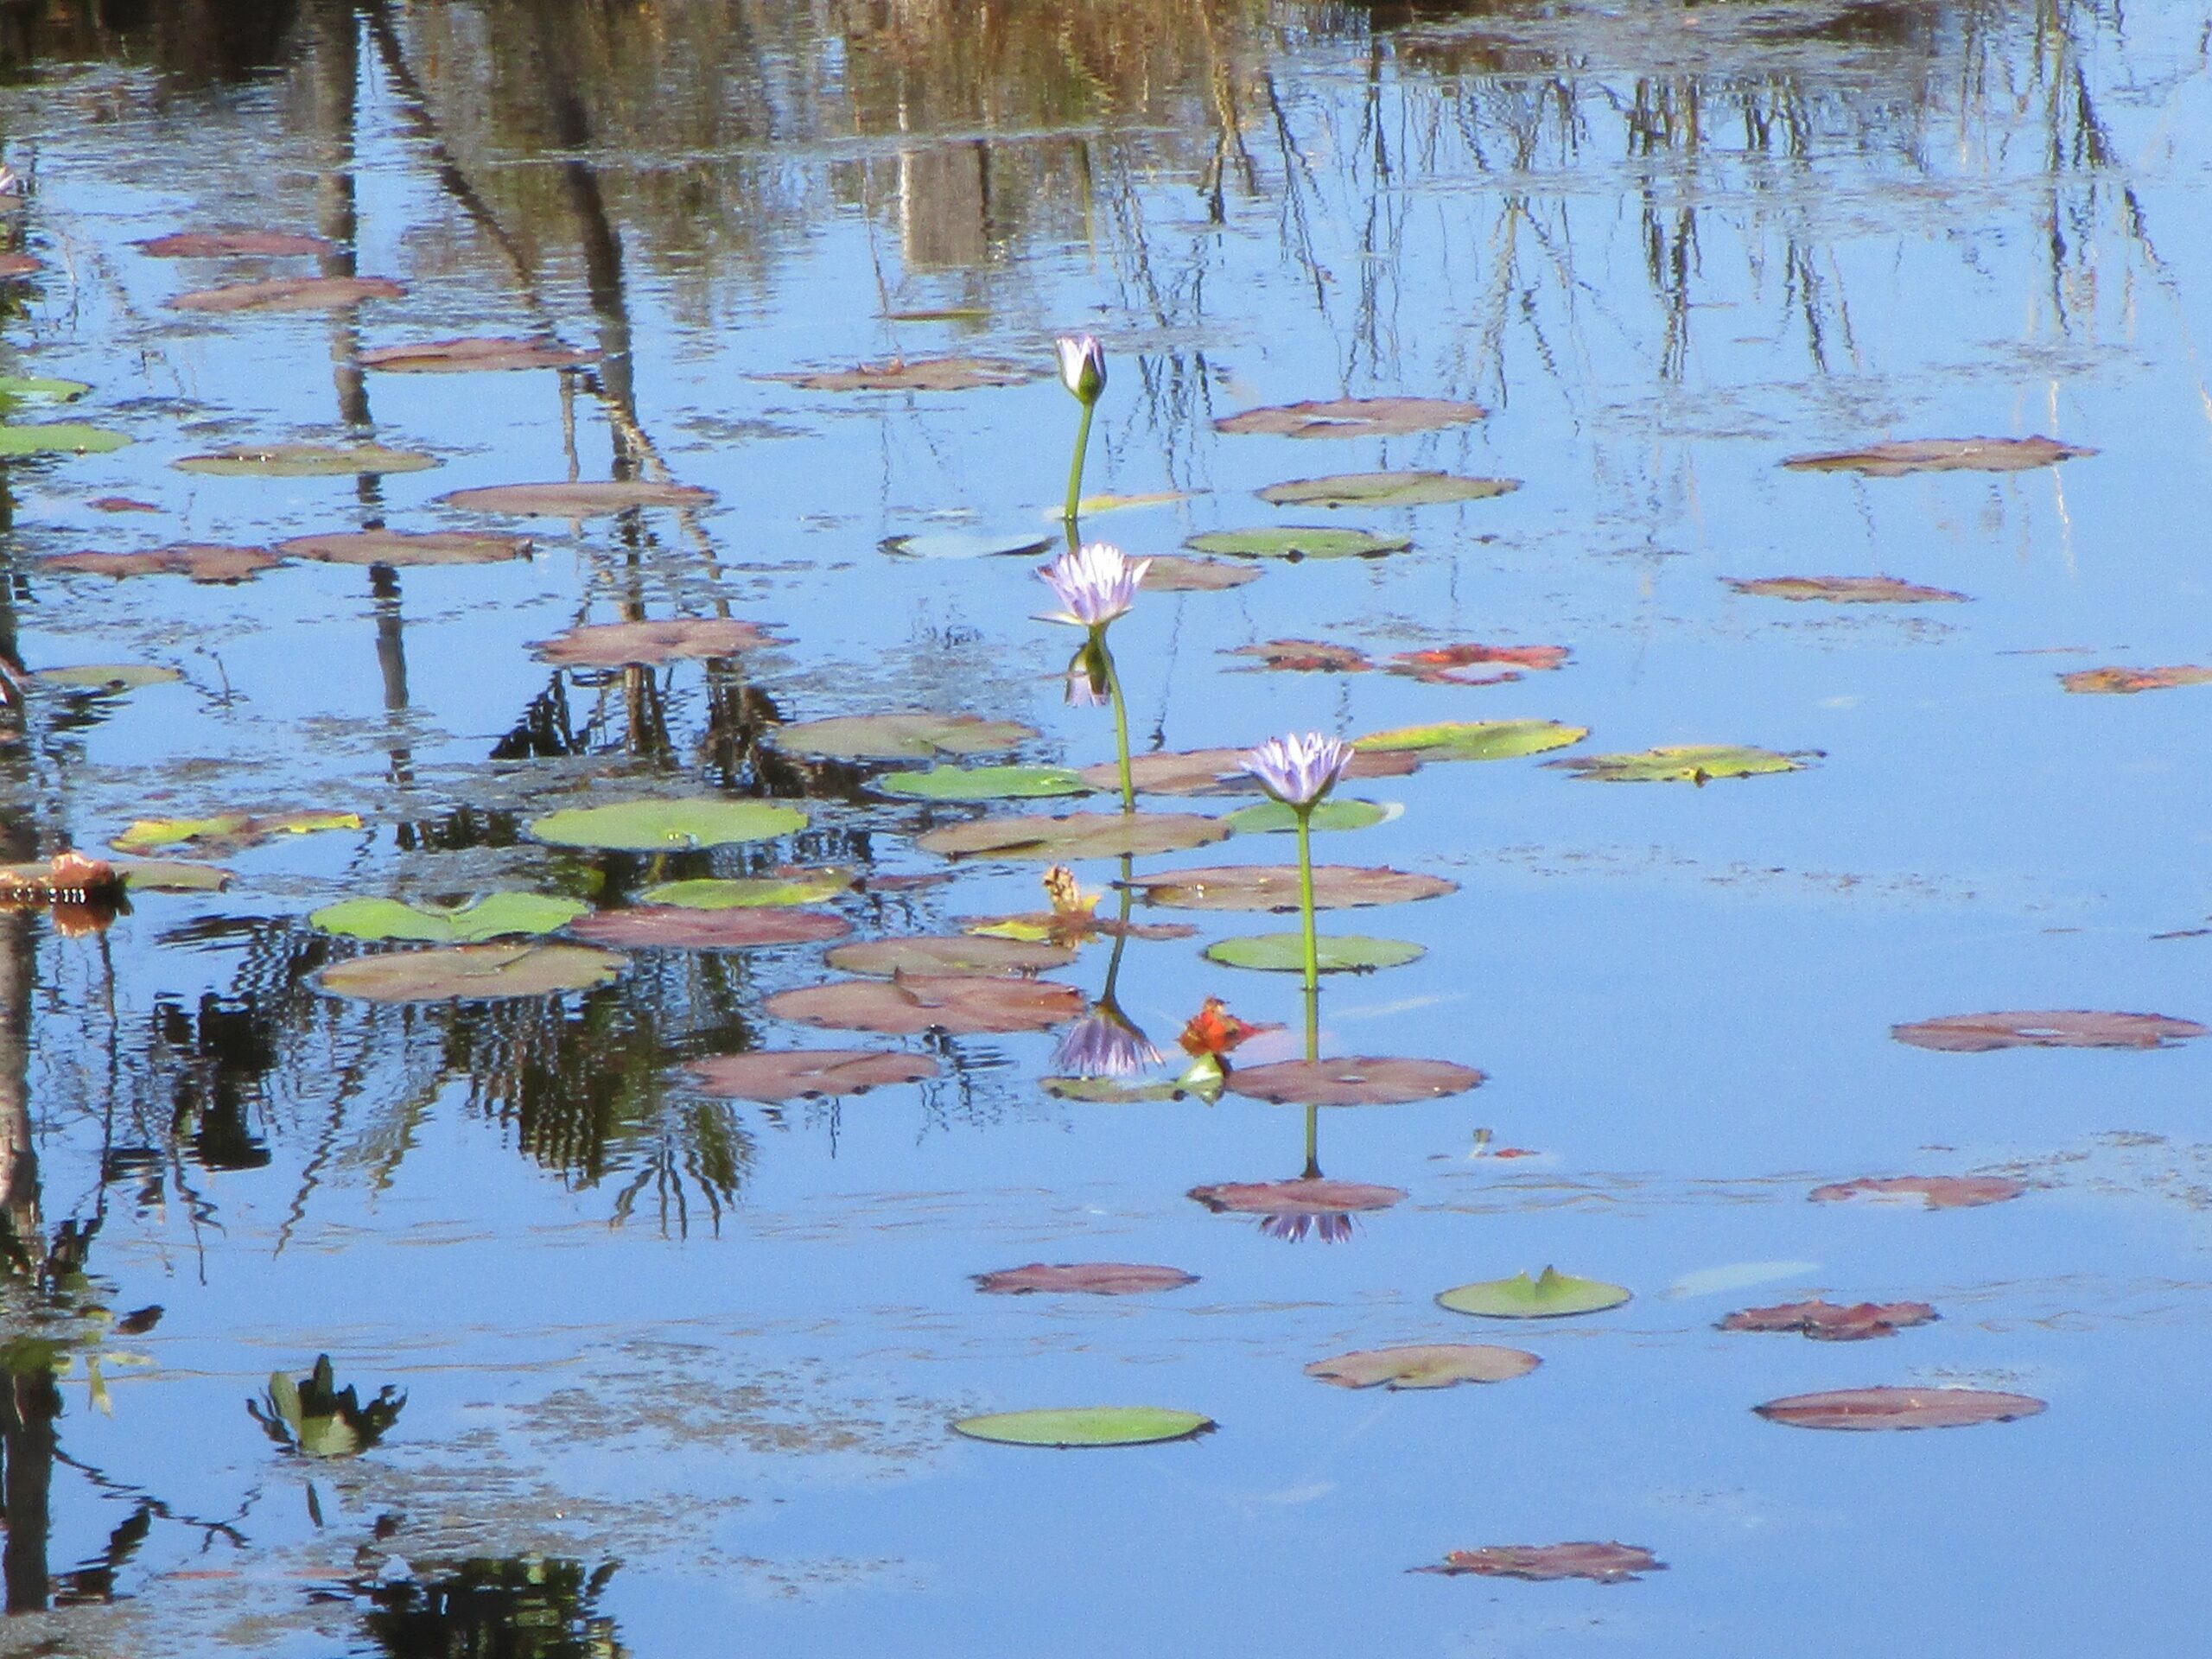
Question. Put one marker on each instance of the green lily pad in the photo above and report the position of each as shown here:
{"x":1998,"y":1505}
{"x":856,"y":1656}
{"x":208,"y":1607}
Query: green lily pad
{"x":954,"y":953}
{"x":981,"y":783}
{"x":901,"y":737}
{"x":1076,"y":834}
{"x":226,"y":832}
{"x":59,"y":438}
{"x":170,"y":875}
{"x":1473,"y":740}
{"x":1110,"y":1091}
{"x":1273,"y":817}
{"x":806,"y":887}
{"x":305,"y":461}
{"x":1341,"y":953}
{"x":1385,"y":490}
{"x":107,"y":677}
{"x":495,"y":916}
{"x":966,"y":544}
{"x":12,"y":386}
{"x":1085,"y":1426}
{"x":1552,"y":1295}
{"x":1298,"y":541}
{"x":468,"y":973}
{"x":1682,"y":764}
{"x":665,"y":826}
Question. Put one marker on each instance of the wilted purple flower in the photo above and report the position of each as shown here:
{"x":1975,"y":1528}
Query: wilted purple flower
{"x":1103,"y":1043}
{"x":1083,"y":366}
{"x":1095,"y":584}
{"x":1298,"y":770}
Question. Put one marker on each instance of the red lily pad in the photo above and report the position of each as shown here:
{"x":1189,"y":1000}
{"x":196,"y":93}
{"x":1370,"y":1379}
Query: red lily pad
{"x":773,"y":1075}
{"x":912,"y":374}
{"x":463,"y":356}
{"x":226,"y":245}
{"x":1353,"y":418}
{"x":1304,"y":1197}
{"x":120,"y":503}
{"x":1843,"y":590}
{"x":1170,"y":572}
{"x":403,"y":551}
{"x":956,"y":953}
{"x":1075,"y":835}
{"x":1220,"y":772}
{"x":1274,"y":886}
{"x":1935,"y":1191}
{"x":2123,"y":682}
{"x":1090,"y":1278}
{"x":962,"y":1004}
{"x":1427,"y":1365}
{"x":1352,"y":1080}
{"x":292,"y":294}
{"x":611,"y":645}
{"x":203,"y":561}
{"x":1894,"y":1408}
{"x":1305,"y":656}
{"x":1472,"y":664}
{"x":577,"y":500}
{"x":1942,"y":455}
{"x":1829,"y":1322}
{"x":685,"y":927}
{"x":1606,"y":1563}
{"x":20,"y":264}
{"x":1979,"y":1033}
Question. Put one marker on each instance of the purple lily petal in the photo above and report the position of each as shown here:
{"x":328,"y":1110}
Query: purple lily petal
{"x":1296,"y":770}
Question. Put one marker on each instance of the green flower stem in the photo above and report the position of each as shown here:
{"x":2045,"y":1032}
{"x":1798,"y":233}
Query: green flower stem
{"x":1121,"y":933}
{"x":1075,"y":467}
{"x":1312,"y":1143}
{"x":1305,"y":896}
{"x":1121,"y":712}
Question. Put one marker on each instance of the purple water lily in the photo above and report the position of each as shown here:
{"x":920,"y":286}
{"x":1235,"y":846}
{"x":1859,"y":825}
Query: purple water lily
{"x":1083,"y":366}
{"x":1296,"y":770}
{"x":1095,"y":584}
{"x":1103,"y":1043}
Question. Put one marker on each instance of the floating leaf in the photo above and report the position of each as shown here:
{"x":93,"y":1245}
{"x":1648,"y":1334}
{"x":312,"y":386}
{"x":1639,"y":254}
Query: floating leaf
{"x":942,"y":314}
{"x":224,"y":245}
{"x":577,"y":500}
{"x":1305,"y":656}
{"x":1069,"y":927}
{"x":1552,"y":1295}
{"x":1353,"y":418}
{"x":612,"y":645}
{"x":981,"y":784}
{"x":1935,"y":1191}
{"x":1894,"y":1408}
{"x":1110,"y":1091}
{"x":1475,"y":664}
{"x":1295,"y":541}
{"x":58,"y":438}
{"x":807,"y":1073}
{"x":960,"y":1004}
{"x":107,"y":677}
{"x":1109,"y":501}
{"x":1682,"y":764}
{"x":13,"y":265}
{"x":1220,"y":772}
{"x":956,"y":953}
{"x":1170,"y":574}
{"x":1076,"y":834}
{"x":305,"y":461}
{"x":1385,"y":490}
{"x":1430,"y":1365}
{"x":1606,"y":1563}
{"x":1274,"y":817}
{"x":901,"y":737}
{"x":313,"y":1415}
{"x":1472,"y":740}
{"x":227,"y":832}
{"x":292,"y":294}
{"x":120,"y":503}
{"x":1309,"y":1197}
{"x":681,"y":927}
{"x":403,"y":552}
{"x":1274,"y":887}
{"x":2124,"y":681}
{"x":1352,"y":1080}
{"x":1843,"y":590}
{"x":171,"y":875}
{"x":16,"y":387}
{"x":1942,"y":455}
{"x":912,"y":374}
{"x":799,"y":888}
{"x":468,"y":973}
{"x":495,"y":916}
{"x":1827,"y":1322}
{"x":1339,"y":953}
{"x":1085,"y":1426}
{"x":965,"y":544}
{"x":1979,"y":1034}
{"x":200,"y":561}
{"x":665,"y":826}
{"x":1088,"y":1278}
{"x":459,"y":356}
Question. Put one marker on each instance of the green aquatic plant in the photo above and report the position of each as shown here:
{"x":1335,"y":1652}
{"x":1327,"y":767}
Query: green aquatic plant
{"x":1097,"y":584}
{"x":1082,"y":372}
{"x":314,"y":1416}
{"x":1299,"y":772}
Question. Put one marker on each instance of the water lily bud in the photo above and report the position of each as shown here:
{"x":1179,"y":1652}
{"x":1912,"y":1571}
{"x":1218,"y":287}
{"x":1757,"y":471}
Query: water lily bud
{"x":1083,"y":366}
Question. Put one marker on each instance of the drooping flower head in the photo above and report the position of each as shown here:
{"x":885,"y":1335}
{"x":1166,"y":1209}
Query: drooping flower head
{"x":11,"y":184}
{"x":1103,"y":1043}
{"x":1298,"y":770}
{"x":1095,"y":583}
{"x":1083,"y":366}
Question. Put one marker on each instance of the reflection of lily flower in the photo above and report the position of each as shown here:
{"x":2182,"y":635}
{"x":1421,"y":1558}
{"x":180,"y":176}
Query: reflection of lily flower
{"x":1083,"y":366}
{"x":1302,"y":1223}
{"x":11,"y":184}
{"x":1298,"y":770}
{"x":1103,"y":1043}
{"x":1088,"y":686}
{"x":1095,"y":584}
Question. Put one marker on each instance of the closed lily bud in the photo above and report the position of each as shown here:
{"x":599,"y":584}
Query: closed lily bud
{"x":1083,"y":366}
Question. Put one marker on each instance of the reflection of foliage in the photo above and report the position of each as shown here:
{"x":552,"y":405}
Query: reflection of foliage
{"x":313,"y":1415}
{"x":511,"y":1607}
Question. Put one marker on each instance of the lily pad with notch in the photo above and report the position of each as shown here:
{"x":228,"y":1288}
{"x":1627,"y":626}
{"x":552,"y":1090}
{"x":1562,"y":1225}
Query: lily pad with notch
{"x":1472,"y":740}
{"x":306,"y":460}
{"x":1275,"y":887}
{"x":1407,"y":489}
{"x":471,"y":973}
{"x":1352,"y":1080}
{"x":58,"y":438}
{"x":685,"y":927}
{"x":1424,"y":1365}
{"x":1075,"y":835}
{"x":1353,"y":417}
{"x":1337,"y":953}
{"x":1551,"y":1295}
{"x":1296,"y":541}
{"x":1825,"y":1321}
{"x":959,"y":1004}
{"x":685,"y":639}
{"x":965,"y":544}
{"x":915,"y":736}
{"x":1066,"y":1429}
{"x":202,"y":562}
{"x":981,"y":784}
{"x":668,"y":825}
{"x":1694,"y":763}
{"x":776,"y":1075}
{"x":494,"y":916}
{"x":1274,"y":817}
{"x":14,"y":388}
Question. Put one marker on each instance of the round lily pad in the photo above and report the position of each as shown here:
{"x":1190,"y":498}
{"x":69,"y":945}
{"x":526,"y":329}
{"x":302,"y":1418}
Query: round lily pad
{"x":1472,"y":740}
{"x":471,"y":973}
{"x":292,"y":294}
{"x":1942,"y":455}
{"x":612,"y":645}
{"x":1825,"y":1321}
{"x":1353,"y":417}
{"x":1273,"y":817}
{"x":403,"y":551}
{"x":953,"y":953}
{"x":1337,"y":953}
{"x":107,"y":677}
{"x":1895,"y":1408}
{"x":1682,"y":764}
{"x":226,"y":832}
{"x":202,"y":562}
{"x":1385,"y":490}
{"x":981,"y":783}
{"x":966,"y":545}
{"x":305,"y":461}
{"x":16,"y":387}
{"x":1311,"y":1196}
{"x":1427,"y":1365}
{"x":912,"y":374}
{"x":901,"y":737}
{"x":1297,"y":542}
{"x":1085,"y":1426}
{"x":1552,"y":1295}
{"x":1169,"y":574}
{"x":1084,"y":1278}
{"x":577,"y":500}
{"x":1110,"y":1091}
{"x":59,"y":438}
{"x":959,"y":1004}
{"x":461,"y":356}
{"x":495,"y":916}
{"x":1078,"y":835}
{"x":1274,"y":886}
{"x":681,"y":927}
{"x":1981,"y":1033}
{"x":664,"y":826}
{"x":710,"y":892}
{"x":807,"y":1073}
{"x":1352,"y":1080}
{"x":227,"y":244}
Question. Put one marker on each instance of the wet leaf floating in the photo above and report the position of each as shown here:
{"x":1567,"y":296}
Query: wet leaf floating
{"x":20,"y":264}
{"x":1352,"y":1080}
{"x":1606,"y":1563}
{"x":171,"y":875}
{"x":1942,"y":455}
{"x":775,"y":1075}
{"x":1110,"y":1091}
{"x":1087,"y":1278}
{"x":1112,"y":502}
{"x":465,"y":356}
{"x":956,"y":953}
{"x":1935,"y":1191}
{"x":981,"y":784}
{"x":59,"y":438}
{"x":120,"y":503}
{"x":228,"y":244}
{"x":1551,"y":1295}
{"x":14,"y":388}
{"x":1274,"y":887}
{"x":1305,"y":656}
{"x":1069,"y":1427}
{"x":1273,"y":817}
{"x":912,"y":374}
{"x":1844,"y":590}
{"x":664,"y":826}
{"x":405,"y":552}
{"x":1170,"y":574}
{"x":471,"y":973}
{"x":1339,"y":953}
{"x":1296,"y":541}
{"x":1472,"y":664}
{"x":2126,"y":681}
{"x":1311,"y":1198}
{"x":292,"y":294}
{"x":710,"y":892}
{"x":228,"y":832}
{"x":682,"y":927}
{"x":1429,"y":1365}
{"x":1220,"y":772}
{"x":1694,"y":763}
{"x":1896,"y":1407}
{"x":963,"y":1004}
{"x":1981,"y":1033}
{"x":577,"y":500}
{"x":305,"y":461}
{"x":316,"y":1417}
{"x":1385,"y":490}
{"x":1076,"y":835}
{"x":612,"y":645}
{"x":495,"y":916}
{"x":1470,"y":740}
{"x":1353,"y":418}
{"x":106,"y":678}
{"x":1827,"y":1322}
{"x":200,"y":561}
{"x":1069,"y":927}
{"x":965,"y":544}
{"x":901,"y":737}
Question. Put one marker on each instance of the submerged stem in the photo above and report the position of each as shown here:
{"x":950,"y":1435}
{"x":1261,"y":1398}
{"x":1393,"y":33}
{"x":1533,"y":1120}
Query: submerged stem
{"x":1121,"y":713}
{"x":1075,"y":467}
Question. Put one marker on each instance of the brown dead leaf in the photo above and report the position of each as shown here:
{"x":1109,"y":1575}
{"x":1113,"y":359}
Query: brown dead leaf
{"x":611,"y":645}
{"x":1307,"y":1197}
{"x":958,"y":1003}
{"x":1274,"y":886}
{"x":1170,"y":572}
{"x":1606,"y":1563}
{"x":292,"y":294}
{"x":1431,"y":1366}
{"x":464,"y":356}
{"x":403,"y":551}
{"x":1830,"y":1322}
{"x":120,"y":503}
{"x":2124,"y":681}
{"x":1979,"y":1033}
{"x":202,"y":562}
{"x":1842,"y":590}
{"x":1088,"y":1278}
{"x":1935,"y":1191}
{"x":1472,"y":664}
{"x":224,"y":244}
{"x":1352,"y":1080}
{"x":1895,"y":1408}
{"x":687,"y":927}
{"x":1305,"y":656}
{"x":810,"y":1073}
{"x":1942,"y":455}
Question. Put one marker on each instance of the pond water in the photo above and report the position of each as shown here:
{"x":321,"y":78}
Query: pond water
{"x":679,"y":1371}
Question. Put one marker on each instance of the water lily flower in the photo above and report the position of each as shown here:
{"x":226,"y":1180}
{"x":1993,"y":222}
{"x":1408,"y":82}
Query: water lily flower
{"x":12,"y":182}
{"x":1298,"y":770}
{"x":1103,"y":1043}
{"x":1096,"y":584}
{"x":1083,"y":366}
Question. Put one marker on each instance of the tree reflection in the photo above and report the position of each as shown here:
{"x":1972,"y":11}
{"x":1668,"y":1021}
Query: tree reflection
{"x":505,"y":1607}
